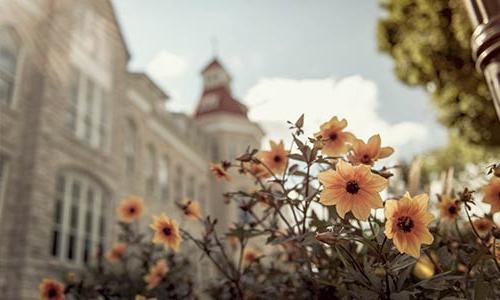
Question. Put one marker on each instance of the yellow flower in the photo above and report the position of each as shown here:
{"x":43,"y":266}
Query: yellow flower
{"x":354,"y":189}
{"x":219,"y":172}
{"x":335,"y":140}
{"x":424,"y":268}
{"x":51,"y":289}
{"x":116,"y":253}
{"x":192,"y":209}
{"x":250,"y":255}
{"x":156,"y":274}
{"x":492,"y":194}
{"x":406,"y":223}
{"x":130,"y":209}
{"x":483,"y":226}
{"x":449,"y":208}
{"x":166,"y":232}
{"x":368,"y":153}
{"x":275,"y":159}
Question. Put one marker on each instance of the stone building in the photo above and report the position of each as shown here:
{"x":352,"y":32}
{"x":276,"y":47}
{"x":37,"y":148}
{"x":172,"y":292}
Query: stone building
{"x":79,"y":131}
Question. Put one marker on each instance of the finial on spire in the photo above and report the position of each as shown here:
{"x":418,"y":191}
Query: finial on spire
{"x":215,"y":45}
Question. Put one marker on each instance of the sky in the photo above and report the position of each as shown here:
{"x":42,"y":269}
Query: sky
{"x":286,"y":57}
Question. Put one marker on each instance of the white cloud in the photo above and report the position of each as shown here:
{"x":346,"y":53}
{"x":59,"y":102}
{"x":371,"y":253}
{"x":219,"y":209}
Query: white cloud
{"x":273,"y":101}
{"x":166,"y":65}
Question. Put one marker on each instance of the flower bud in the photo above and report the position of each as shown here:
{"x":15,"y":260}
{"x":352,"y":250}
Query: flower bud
{"x":327,"y":237}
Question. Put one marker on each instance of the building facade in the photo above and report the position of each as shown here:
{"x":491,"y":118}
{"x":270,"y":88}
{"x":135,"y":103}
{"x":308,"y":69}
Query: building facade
{"x":79,"y":131}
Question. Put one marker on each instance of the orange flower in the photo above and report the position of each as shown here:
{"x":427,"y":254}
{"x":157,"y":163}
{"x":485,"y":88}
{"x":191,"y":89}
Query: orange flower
{"x":275,"y":159}
{"x":192,"y":209}
{"x":156,"y":274}
{"x":368,"y":153}
{"x":130,"y":209}
{"x":335,"y":140}
{"x":166,"y":232}
{"x":116,"y":253}
{"x":492,"y":194}
{"x":483,"y":226}
{"x":449,"y":208}
{"x":51,"y":289}
{"x":406,"y":223}
{"x":250,"y":255}
{"x":353,"y":189}
{"x":219,"y":172}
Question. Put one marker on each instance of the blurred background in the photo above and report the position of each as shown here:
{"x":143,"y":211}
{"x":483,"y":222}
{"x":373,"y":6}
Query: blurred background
{"x":288,"y":58}
{"x":101,"y":99}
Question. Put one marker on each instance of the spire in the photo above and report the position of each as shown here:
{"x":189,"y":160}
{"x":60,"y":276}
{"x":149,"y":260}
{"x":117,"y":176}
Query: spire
{"x":217,"y":96}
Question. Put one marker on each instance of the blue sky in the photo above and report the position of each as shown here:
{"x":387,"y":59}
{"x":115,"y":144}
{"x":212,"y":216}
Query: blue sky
{"x":286,"y":56}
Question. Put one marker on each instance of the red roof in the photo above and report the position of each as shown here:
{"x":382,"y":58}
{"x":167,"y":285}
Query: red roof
{"x":226,"y":103}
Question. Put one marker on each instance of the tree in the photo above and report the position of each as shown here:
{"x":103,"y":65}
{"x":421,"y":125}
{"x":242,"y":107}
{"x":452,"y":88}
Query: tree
{"x":430,"y":43}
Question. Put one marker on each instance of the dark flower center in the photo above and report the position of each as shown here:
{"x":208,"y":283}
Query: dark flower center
{"x":405,"y":223}
{"x":277,"y":158}
{"x":131,"y":210}
{"x":333,"y":136}
{"x":167,"y":231}
{"x":452,"y":210}
{"x":352,"y":187}
{"x":365,"y":159}
{"x":52,"y":293}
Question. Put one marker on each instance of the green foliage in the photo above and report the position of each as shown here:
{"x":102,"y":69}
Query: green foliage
{"x":457,"y":154}
{"x":429,"y":41}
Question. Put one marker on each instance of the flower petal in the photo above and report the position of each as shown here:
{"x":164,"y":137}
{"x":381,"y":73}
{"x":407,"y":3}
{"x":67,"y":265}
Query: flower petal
{"x":385,"y":152}
{"x":345,"y":170}
{"x":390,"y":208}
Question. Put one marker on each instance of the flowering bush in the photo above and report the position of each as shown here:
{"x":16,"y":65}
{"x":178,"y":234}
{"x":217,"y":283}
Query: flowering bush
{"x":318,"y":226}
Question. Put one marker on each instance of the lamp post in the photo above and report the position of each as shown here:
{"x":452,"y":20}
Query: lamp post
{"x":485,"y":41}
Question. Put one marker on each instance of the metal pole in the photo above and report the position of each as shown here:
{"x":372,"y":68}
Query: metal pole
{"x":485,"y":41}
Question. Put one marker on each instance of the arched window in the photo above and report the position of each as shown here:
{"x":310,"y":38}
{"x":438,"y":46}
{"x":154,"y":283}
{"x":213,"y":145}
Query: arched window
{"x":88,"y":109}
{"x":79,"y":218}
{"x":202,"y":195}
{"x":163,"y":178}
{"x":9,"y":56}
{"x":191,"y":193}
{"x":130,"y":146}
{"x":179,"y":184}
{"x":150,"y":171}
{"x":3,"y":179}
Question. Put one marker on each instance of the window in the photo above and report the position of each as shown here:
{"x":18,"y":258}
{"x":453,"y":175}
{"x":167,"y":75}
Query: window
{"x":88,"y":110}
{"x":179,"y":184}
{"x":215,"y":152}
{"x":79,"y":226}
{"x":3,"y":180}
{"x":130,"y":146}
{"x":150,"y":171}
{"x":163,"y":178}
{"x":9,"y":56}
{"x":191,"y":188}
{"x":202,"y":194}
